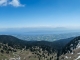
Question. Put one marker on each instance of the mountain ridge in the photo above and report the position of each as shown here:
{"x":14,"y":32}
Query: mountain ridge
{"x":18,"y":44}
{"x":71,"y":51}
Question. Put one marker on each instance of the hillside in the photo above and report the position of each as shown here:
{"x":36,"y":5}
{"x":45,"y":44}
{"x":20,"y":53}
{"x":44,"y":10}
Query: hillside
{"x":11,"y":46}
{"x":14,"y":42}
{"x":72,"y":50}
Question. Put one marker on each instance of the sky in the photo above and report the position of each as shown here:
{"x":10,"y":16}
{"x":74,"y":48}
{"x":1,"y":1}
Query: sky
{"x":39,"y":13}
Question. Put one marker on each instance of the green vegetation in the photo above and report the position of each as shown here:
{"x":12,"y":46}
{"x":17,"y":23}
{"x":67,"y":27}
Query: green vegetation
{"x":14,"y":48}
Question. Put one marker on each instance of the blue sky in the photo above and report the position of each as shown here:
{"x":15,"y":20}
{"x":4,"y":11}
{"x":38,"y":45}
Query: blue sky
{"x":39,"y":13}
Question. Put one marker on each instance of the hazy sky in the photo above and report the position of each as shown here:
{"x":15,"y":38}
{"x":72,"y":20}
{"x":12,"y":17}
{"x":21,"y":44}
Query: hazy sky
{"x":39,"y":13}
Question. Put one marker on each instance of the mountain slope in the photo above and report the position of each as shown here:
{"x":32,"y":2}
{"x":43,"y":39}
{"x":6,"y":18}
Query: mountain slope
{"x":72,"y":50}
{"x":10,"y":44}
{"x":12,"y":41}
{"x":14,"y":48}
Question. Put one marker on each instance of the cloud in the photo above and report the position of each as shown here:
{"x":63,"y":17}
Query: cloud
{"x":3,"y":2}
{"x":15,"y":3}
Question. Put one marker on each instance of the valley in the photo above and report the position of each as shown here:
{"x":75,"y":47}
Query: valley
{"x":12,"y":48}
